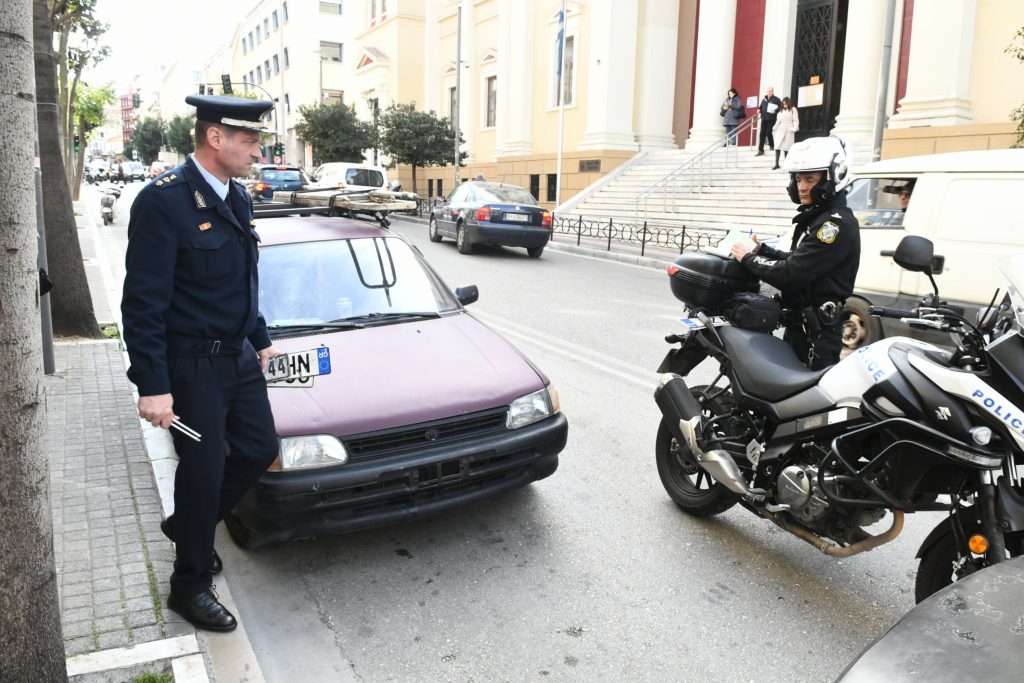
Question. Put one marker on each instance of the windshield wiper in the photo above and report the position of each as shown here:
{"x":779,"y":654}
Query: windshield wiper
{"x":374,"y":317}
{"x":333,"y":325}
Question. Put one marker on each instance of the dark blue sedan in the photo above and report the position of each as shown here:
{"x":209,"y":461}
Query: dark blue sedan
{"x":491,"y":213}
{"x":266,"y":179}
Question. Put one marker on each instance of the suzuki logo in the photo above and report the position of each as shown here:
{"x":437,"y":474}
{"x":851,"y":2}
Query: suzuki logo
{"x":431,"y":434}
{"x":943,"y":413}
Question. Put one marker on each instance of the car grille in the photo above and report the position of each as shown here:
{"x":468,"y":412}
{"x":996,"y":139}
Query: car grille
{"x":372,"y":445}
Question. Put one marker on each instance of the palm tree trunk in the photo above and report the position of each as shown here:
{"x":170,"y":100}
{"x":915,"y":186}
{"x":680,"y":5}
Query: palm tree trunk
{"x":79,"y":159}
{"x":70,"y":301}
{"x":30,"y":627}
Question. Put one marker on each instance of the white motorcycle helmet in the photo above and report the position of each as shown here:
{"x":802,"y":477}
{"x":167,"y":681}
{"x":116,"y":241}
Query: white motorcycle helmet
{"x":829,"y":154}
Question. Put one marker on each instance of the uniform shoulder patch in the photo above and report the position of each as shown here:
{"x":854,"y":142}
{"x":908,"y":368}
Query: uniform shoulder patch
{"x":166,"y":179}
{"x":828,"y":232}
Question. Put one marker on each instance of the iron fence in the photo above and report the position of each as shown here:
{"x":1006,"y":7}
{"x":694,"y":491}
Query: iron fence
{"x":643,"y":234}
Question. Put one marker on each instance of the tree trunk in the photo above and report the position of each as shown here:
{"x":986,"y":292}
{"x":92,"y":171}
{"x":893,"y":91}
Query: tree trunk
{"x":414,"y":179}
{"x":79,"y":159}
{"x":62,"y":74}
{"x":69,"y":144}
{"x":70,"y":301}
{"x":30,"y":627}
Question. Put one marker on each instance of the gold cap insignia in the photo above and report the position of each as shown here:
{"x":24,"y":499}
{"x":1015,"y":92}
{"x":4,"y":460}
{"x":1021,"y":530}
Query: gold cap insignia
{"x":200,"y":202}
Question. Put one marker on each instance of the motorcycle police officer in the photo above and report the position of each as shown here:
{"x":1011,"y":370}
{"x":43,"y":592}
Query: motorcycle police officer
{"x":196,"y":341}
{"x":817,"y":274}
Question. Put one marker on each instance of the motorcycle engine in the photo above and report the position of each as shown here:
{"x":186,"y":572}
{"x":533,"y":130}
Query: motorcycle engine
{"x":797,"y":488}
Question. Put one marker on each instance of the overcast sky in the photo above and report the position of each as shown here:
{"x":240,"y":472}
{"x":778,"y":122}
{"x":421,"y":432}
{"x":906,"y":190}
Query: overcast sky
{"x":144,"y":35}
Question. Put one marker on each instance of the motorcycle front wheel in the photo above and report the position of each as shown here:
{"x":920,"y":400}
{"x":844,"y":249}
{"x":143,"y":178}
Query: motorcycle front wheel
{"x":686,"y":482}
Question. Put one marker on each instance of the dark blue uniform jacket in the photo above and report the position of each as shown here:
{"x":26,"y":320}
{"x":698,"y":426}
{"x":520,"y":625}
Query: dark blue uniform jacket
{"x":191,"y":275}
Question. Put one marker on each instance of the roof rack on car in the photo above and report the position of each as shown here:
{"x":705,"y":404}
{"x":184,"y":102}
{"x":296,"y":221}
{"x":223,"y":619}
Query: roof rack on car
{"x":361,"y":204}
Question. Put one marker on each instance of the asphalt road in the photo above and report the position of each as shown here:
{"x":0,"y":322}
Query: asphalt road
{"x":591,"y":574}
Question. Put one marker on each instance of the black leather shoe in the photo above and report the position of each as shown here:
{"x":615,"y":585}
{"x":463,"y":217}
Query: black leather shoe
{"x":203,"y":610}
{"x":760,"y":153}
{"x":167,"y":526}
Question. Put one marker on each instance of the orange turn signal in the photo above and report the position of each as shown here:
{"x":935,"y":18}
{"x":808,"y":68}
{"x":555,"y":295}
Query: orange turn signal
{"x":978,"y":544}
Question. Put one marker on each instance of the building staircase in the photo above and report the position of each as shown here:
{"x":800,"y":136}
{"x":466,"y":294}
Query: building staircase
{"x":725,"y":189}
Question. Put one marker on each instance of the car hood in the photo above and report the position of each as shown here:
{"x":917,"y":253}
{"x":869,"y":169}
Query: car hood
{"x":402,"y":374}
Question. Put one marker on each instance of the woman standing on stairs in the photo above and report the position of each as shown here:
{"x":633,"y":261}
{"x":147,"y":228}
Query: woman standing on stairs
{"x":785,"y":128}
{"x":732,"y":110}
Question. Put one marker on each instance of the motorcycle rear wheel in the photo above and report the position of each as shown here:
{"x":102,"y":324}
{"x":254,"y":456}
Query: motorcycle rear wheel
{"x":935,"y":571}
{"x":687,"y":484}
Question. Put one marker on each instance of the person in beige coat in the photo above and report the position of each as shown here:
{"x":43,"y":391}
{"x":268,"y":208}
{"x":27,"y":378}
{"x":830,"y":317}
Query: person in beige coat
{"x":785,"y":128}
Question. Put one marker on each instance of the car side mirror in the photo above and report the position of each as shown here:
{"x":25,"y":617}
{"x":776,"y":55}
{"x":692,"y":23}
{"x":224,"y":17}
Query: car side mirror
{"x":467,"y":295}
{"x":914,"y":253}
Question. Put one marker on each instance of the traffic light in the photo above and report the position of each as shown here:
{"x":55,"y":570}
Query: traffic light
{"x":279,"y":148}
{"x":202,"y":89}
{"x":225,"y":81}
{"x":76,"y":142}
{"x":135,"y":101}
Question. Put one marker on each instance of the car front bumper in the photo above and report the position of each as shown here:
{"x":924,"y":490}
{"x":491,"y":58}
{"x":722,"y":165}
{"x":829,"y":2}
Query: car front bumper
{"x":509,"y":236}
{"x":362,"y":495}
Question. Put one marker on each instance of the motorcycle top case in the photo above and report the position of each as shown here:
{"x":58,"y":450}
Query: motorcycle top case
{"x":706,"y":281}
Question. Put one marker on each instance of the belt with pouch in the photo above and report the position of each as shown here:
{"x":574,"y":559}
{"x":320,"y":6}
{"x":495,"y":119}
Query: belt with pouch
{"x":186,"y":345}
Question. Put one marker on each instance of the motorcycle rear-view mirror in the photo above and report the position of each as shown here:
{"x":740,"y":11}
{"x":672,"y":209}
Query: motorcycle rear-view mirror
{"x":914,"y":253}
{"x":467,"y":295}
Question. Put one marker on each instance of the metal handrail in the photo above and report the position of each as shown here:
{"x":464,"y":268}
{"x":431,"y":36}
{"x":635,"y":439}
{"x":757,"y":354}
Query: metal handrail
{"x":697,"y":162}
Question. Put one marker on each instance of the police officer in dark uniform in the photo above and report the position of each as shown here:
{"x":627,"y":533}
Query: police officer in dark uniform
{"x":197,"y":343}
{"x":817,"y":274}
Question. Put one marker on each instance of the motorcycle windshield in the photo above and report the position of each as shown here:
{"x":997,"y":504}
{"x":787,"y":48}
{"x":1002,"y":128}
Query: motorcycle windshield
{"x":1013,"y":269}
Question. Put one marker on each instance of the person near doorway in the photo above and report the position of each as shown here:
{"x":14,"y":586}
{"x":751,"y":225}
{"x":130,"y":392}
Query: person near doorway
{"x":905,"y":193}
{"x":732,"y":111}
{"x":787,"y":123}
{"x":816,"y":275}
{"x":769,"y":108}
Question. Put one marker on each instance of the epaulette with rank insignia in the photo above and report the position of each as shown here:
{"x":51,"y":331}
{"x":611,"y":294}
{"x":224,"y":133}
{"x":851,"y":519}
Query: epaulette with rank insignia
{"x":167,"y":179}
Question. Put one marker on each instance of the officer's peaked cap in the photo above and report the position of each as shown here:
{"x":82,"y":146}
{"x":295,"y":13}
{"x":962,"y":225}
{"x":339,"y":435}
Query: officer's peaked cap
{"x":236,"y":112}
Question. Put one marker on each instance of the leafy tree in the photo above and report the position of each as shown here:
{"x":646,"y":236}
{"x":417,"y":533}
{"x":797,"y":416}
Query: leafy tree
{"x":335,"y":132}
{"x":179,"y":135}
{"x":417,"y":138}
{"x":30,"y":627}
{"x":90,"y":107}
{"x":1016,"y":50}
{"x":70,"y":302}
{"x":148,"y":138}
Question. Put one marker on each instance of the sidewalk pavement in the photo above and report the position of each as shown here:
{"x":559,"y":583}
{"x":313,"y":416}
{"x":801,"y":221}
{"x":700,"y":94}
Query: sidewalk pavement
{"x":111,"y":479}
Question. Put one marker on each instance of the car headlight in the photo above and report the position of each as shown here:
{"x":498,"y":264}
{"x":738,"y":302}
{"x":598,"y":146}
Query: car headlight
{"x":305,"y":452}
{"x":532,"y":407}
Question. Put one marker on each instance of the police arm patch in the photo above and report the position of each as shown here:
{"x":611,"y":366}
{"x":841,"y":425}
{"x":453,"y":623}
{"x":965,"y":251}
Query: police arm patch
{"x":828,"y":232}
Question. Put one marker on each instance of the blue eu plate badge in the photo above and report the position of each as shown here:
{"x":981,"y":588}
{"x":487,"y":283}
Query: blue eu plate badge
{"x":323,"y":360}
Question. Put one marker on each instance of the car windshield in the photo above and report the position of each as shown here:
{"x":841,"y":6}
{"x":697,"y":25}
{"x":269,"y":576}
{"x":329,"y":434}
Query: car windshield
{"x":514,"y":195}
{"x":281,"y":175}
{"x":320,"y":282}
{"x":363,"y":176}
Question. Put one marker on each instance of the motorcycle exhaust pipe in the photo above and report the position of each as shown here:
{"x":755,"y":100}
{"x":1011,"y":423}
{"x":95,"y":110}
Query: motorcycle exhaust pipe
{"x":682,"y":415}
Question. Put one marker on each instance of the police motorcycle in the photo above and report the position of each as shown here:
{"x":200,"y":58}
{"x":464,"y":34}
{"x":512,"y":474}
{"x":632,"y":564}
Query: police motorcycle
{"x":899,"y":426}
{"x":108,"y":203}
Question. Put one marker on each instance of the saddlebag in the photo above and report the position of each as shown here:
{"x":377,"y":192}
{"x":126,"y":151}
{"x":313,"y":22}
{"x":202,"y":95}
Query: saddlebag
{"x":751,"y":311}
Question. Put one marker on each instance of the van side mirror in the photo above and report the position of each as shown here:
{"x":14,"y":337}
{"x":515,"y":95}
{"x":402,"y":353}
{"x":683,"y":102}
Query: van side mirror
{"x":467,"y":295}
{"x":914,"y":253}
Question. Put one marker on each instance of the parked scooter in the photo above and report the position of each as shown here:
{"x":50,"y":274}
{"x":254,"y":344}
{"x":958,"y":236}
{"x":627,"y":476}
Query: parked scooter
{"x":108,"y":204}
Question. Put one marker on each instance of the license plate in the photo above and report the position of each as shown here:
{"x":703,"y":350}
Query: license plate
{"x":692,"y":324}
{"x":299,"y":365}
{"x":517,"y":217}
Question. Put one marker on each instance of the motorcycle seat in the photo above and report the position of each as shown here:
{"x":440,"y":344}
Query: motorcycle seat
{"x":764,"y":365}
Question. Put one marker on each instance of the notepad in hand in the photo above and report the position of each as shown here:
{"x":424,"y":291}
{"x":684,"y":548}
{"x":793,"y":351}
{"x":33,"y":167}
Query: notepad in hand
{"x":724,"y":248}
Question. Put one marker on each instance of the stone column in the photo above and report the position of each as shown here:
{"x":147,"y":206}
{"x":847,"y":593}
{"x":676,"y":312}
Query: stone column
{"x":611,"y":75}
{"x":862,"y":58}
{"x":659,"y":35}
{"x":938,"y":80}
{"x":777,"y":50}
{"x":515,"y":86}
{"x":468,"y":87}
{"x":717,"y":29}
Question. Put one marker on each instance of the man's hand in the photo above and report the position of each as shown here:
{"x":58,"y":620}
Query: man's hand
{"x":739,"y":251}
{"x":265,"y":356}
{"x":157,"y":410}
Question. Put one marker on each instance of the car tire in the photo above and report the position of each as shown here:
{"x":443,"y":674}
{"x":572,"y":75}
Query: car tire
{"x":860,"y":328}
{"x":432,"y":232}
{"x":462,"y":240}
{"x":243,"y":536}
{"x":534,"y":252}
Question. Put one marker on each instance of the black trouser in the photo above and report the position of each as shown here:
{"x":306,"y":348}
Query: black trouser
{"x":224,"y":398}
{"x":819,"y":352}
{"x":766,"y":134}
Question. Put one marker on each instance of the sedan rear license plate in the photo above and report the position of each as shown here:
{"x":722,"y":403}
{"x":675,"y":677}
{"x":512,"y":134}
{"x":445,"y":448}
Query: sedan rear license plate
{"x":299,"y":365}
{"x":517,"y":217}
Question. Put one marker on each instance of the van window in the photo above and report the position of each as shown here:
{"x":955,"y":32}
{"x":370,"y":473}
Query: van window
{"x":364,"y":176}
{"x":982,"y":210}
{"x":876,"y":202}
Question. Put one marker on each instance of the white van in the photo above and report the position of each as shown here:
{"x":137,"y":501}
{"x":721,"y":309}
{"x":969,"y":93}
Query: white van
{"x":969,"y":204}
{"x":349,"y":176}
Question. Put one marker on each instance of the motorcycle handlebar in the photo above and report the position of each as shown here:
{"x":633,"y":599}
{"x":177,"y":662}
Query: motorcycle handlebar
{"x":884,"y":312}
